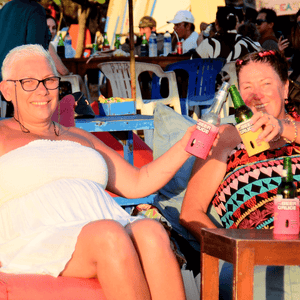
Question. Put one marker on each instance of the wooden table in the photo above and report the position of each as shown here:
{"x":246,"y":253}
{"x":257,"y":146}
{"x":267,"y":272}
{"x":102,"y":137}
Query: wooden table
{"x":80,"y":65}
{"x":244,"y":249}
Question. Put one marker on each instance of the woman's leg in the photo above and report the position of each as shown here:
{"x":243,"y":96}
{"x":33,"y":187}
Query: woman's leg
{"x":158,"y":260}
{"x":105,"y":250}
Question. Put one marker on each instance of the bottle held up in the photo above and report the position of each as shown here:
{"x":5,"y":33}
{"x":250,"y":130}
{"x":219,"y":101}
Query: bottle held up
{"x":243,"y":114}
{"x":207,"y":128}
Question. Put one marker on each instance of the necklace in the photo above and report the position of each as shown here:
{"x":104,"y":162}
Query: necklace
{"x":25,"y":130}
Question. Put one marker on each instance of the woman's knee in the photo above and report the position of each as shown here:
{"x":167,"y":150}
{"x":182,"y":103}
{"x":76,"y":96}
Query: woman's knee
{"x":107,"y":234}
{"x":150,"y":232}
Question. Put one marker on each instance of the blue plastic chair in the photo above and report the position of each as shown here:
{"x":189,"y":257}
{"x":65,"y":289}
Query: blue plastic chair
{"x":202,"y":73}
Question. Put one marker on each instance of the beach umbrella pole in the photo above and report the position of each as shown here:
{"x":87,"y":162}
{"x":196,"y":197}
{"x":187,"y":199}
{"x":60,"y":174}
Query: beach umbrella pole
{"x":132,"y":59}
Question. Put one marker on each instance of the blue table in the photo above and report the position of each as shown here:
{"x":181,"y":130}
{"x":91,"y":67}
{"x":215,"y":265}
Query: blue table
{"x":124,"y":125}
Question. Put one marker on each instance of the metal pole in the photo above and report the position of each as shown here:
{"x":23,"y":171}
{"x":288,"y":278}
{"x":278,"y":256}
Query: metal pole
{"x":132,"y":59}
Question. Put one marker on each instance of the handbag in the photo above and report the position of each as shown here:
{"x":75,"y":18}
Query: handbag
{"x":83,"y":109}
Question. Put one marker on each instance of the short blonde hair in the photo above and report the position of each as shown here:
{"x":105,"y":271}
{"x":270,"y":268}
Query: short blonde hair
{"x":24,"y":51}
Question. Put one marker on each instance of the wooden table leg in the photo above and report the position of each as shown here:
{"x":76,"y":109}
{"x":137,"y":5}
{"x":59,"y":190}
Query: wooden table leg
{"x":243,"y":274}
{"x":209,"y":277}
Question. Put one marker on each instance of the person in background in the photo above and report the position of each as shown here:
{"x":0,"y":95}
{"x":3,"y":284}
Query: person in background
{"x":22,"y":22}
{"x":249,"y":29}
{"x":206,"y":30}
{"x":242,"y":188}
{"x":52,"y":25}
{"x":146,"y":25}
{"x":265,"y":23}
{"x":226,"y":43}
{"x":250,"y":14}
{"x":185,"y":30}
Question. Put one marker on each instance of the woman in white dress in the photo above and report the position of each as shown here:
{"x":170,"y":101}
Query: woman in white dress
{"x":55,"y":217}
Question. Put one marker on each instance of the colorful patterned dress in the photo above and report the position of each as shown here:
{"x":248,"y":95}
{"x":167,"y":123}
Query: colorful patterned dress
{"x":244,"y":199}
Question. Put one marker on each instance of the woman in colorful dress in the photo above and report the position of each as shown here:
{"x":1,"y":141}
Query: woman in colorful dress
{"x":242,"y":188}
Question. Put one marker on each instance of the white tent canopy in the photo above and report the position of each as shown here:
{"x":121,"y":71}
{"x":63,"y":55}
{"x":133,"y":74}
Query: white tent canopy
{"x":161,"y":10}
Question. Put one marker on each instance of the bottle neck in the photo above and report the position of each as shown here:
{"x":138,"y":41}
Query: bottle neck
{"x":287,"y":174}
{"x":236,"y":97}
{"x":214,"y":111}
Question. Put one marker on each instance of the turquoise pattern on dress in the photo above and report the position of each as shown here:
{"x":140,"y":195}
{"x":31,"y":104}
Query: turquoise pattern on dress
{"x":244,"y":199}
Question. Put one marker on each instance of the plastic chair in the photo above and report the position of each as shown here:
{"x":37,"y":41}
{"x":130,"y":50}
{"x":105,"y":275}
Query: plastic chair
{"x":77,"y":84}
{"x":202,"y":73}
{"x":118,"y":73}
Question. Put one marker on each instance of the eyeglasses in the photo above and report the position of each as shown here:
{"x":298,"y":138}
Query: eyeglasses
{"x":31,"y":84}
{"x":260,"y":21}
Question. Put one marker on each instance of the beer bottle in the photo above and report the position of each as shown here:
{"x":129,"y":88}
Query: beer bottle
{"x":60,"y":47}
{"x":117,"y":42}
{"x":207,"y":128}
{"x":286,"y":203}
{"x":144,"y":46}
{"x":106,"y":45}
{"x":243,"y":114}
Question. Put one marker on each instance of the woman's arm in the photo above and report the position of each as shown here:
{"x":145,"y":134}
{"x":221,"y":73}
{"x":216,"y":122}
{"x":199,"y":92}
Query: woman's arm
{"x":61,"y":68}
{"x":131,"y":182}
{"x":205,"y":179}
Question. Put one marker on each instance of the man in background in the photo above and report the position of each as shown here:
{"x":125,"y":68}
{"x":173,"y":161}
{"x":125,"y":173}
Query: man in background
{"x":265,"y":22}
{"x":146,"y":25}
{"x":184,"y":28}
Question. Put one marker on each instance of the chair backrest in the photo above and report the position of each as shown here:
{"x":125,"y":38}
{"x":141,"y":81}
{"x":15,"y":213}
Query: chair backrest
{"x":202,"y":74}
{"x":73,"y":79}
{"x":118,"y":73}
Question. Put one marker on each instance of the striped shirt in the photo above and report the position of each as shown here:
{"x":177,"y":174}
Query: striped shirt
{"x":230,"y":46}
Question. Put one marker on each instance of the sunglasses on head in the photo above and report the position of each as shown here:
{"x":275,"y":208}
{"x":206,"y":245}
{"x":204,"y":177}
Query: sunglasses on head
{"x":260,"y":21}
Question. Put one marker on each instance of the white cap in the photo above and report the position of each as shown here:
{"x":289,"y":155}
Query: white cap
{"x":183,"y":16}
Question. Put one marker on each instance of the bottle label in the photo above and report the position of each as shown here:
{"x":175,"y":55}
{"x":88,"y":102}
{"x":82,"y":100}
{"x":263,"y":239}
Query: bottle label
{"x":249,"y":138}
{"x":286,"y":215}
{"x":105,"y":48}
{"x":202,"y":139}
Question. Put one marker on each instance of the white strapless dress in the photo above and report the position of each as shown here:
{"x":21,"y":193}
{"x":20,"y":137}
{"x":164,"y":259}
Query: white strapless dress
{"x":48,"y":191}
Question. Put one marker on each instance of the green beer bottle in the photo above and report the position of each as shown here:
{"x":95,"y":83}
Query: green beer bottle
{"x":286,"y":203}
{"x":287,"y":187}
{"x":60,"y":47}
{"x":243,"y":114}
{"x":144,"y":46}
{"x":117,"y":42}
{"x":106,"y":45}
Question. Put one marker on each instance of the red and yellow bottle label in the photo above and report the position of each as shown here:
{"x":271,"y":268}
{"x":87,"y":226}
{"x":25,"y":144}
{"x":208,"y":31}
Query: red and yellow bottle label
{"x":249,"y":138}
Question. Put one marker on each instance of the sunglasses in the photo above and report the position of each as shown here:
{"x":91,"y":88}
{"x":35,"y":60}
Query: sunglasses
{"x":260,"y":21}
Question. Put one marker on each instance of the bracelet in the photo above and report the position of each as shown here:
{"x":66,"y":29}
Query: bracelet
{"x":296,"y":131}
